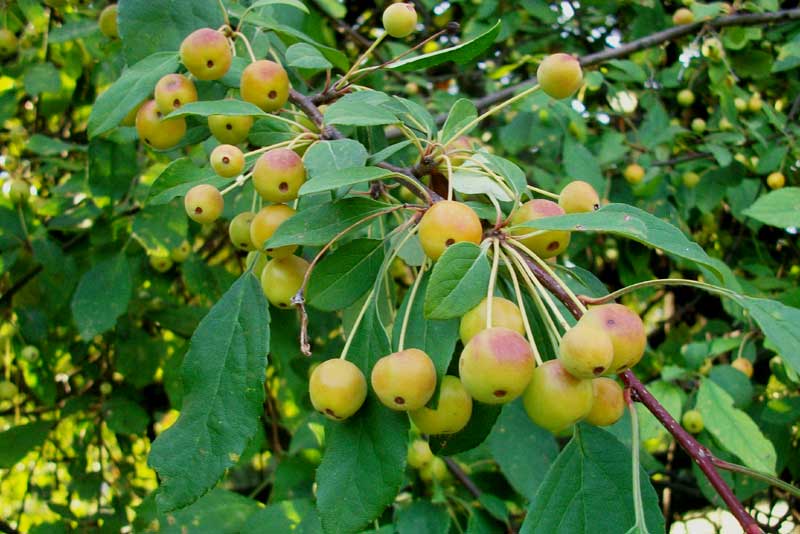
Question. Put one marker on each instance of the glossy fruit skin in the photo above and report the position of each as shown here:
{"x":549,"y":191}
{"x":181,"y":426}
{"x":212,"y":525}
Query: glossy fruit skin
{"x":108,"y":21}
{"x":446,"y":223}
{"x":160,"y":262}
{"x":435,"y":470}
{"x":634,"y":173}
{"x":451,"y":414}
{"x":8,"y":43}
{"x":685,"y":97}
{"x":337,"y":388}
{"x":181,"y":253}
{"x":556,"y":400}
{"x":206,"y":54}
{"x":399,"y":20}
{"x":682,"y":16}
{"x":29,"y":353}
{"x":690,"y":179}
{"x":281,"y":278}
{"x":18,"y":190}
{"x":504,"y":313}
{"x":203,"y":203}
{"x":172,"y":91}
{"x":227,"y":161}
{"x":579,"y":197}
{"x":559,"y":75}
{"x":586,"y":351}
{"x":264,"y":225}
{"x":547,"y":244}
{"x":8,"y":391}
{"x":625,"y":329}
{"x":404,"y":380}
{"x":776,"y":180}
{"x":230,"y":129}
{"x":278,"y":175}
{"x":156,"y":131}
{"x":744,"y":365}
{"x":265,"y":84}
{"x":419,"y":453}
{"x":692,"y":421}
{"x":609,"y":402}
{"x":496,"y":365}
{"x":239,"y":230}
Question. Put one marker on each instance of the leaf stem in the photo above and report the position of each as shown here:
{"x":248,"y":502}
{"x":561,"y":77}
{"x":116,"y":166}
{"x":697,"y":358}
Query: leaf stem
{"x":352,"y":334}
{"x":544,"y":192}
{"x":774,"y":481}
{"x":492,"y":281}
{"x":338,"y":85}
{"x":521,"y":304}
{"x":655,"y":283}
{"x":638,"y":505}
{"x":246,"y":45}
{"x":411,"y":296}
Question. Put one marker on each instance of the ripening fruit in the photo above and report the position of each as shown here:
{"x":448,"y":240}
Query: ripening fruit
{"x":712,"y":49}
{"x":156,"y":131}
{"x":609,"y":402}
{"x":504,"y":313}
{"x":744,"y":365}
{"x":399,"y":20}
{"x":682,"y":16}
{"x":556,"y":400}
{"x":404,"y":380}
{"x":180,"y":253}
{"x":106,"y":388}
{"x":579,"y":197}
{"x":740,"y":104}
{"x":29,"y":353}
{"x":547,"y":243}
{"x":8,"y":391}
{"x":230,"y":129}
{"x":692,"y":421}
{"x":685,"y":97}
{"x":227,"y":161}
{"x":698,"y":125}
{"x":282,"y":278}
{"x":172,"y":91}
{"x":108,"y":21}
{"x":239,"y":230}
{"x":18,"y":190}
{"x":446,"y":223}
{"x":419,"y":453}
{"x":776,"y":180}
{"x":559,"y":75}
{"x":337,"y":388}
{"x":206,"y":54}
{"x":496,"y":365}
{"x":8,"y":43}
{"x":264,"y":225}
{"x":625,"y":329}
{"x":586,"y":351}
{"x":436,"y":470}
{"x":633,"y":173}
{"x":725,"y":125}
{"x":278,"y":175}
{"x":203,"y":203}
{"x":265,"y":84}
{"x":161,"y":262}
{"x":451,"y":414}
{"x":690,"y":179}
{"x":754,"y":104}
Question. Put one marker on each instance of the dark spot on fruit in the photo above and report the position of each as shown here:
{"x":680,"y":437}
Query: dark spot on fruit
{"x":399,"y":400}
{"x":176,"y":103}
{"x":330,"y":412}
{"x":553,"y":245}
{"x":226,"y":160}
{"x":147,"y":140}
{"x":596,"y":206}
{"x":500,"y":393}
{"x":158,"y":114}
{"x":283,"y":187}
{"x":283,"y":305}
{"x":611,"y":322}
{"x":209,"y":63}
{"x":598,"y":370}
{"x":229,"y":126}
{"x":198,"y":210}
{"x":624,"y":367}
{"x":272,"y":94}
{"x":269,"y":250}
{"x":449,"y":242}
{"x":243,"y":245}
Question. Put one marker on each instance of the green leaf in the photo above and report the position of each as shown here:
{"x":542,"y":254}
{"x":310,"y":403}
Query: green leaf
{"x":478,"y":428}
{"x":319,"y":224}
{"x":734,"y":382}
{"x":460,"y":54}
{"x":160,"y":227}
{"x":223,"y":377}
{"x":42,"y":78}
{"x":180,"y":176}
{"x":344,"y":177}
{"x":423,"y":517}
{"x":362,"y":468}
{"x":462,"y":113}
{"x":523,"y":450}
{"x":125,"y":416}
{"x":72,"y":30}
{"x":458,"y":282}
{"x":779,"y":323}
{"x":102,"y":295}
{"x":733,"y":429}
{"x":305,"y":56}
{"x":580,"y":164}
{"x":297,"y":4}
{"x":50,"y":146}
{"x":227,"y":106}
{"x":469,"y":178}
{"x":343,"y":276}
{"x":112,"y":167}
{"x":779,"y":208}
{"x":131,"y":89}
{"x":18,"y":441}
{"x":370,"y":342}
{"x":589,"y":489}
{"x":365,"y":108}
{"x":326,"y":156}
{"x":280,"y":517}
{"x":219,"y":512}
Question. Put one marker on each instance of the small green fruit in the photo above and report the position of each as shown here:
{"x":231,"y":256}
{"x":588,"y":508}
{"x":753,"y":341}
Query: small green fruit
{"x":435,"y":470}
{"x":682,"y":16}
{"x":698,"y":125}
{"x":181,"y":253}
{"x":337,"y":389}
{"x":560,"y":75}
{"x":8,"y":43}
{"x":496,"y":365}
{"x":544,"y":244}
{"x":265,"y":84}
{"x":693,"y":421}
{"x":282,"y":278}
{"x":266,"y":223}
{"x":399,"y":20}
{"x":206,"y":54}
{"x":173,"y":91}
{"x":685,"y":97}
{"x":278,"y":175}
{"x":556,"y":400}
{"x":609,"y":402}
{"x":419,"y":453}
{"x":156,"y":131}
{"x":624,"y":328}
{"x":504,"y":313}
{"x":776,"y":180}
{"x":108,"y":21}
{"x":239,"y":230}
{"x":690,"y":179}
{"x":29,"y":353}
{"x":446,"y":223}
{"x":227,"y":161}
{"x":743,"y":365}
{"x":8,"y":391}
{"x":634,"y":173}
{"x":586,"y":351}
{"x":404,"y":380}
{"x":452,"y":413}
{"x":230,"y":130}
{"x":203,"y":203}
{"x":161,"y":262}
{"x":18,"y":190}
{"x":579,"y":197}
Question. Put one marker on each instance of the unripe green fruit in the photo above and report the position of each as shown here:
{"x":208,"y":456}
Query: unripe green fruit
{"x":496,"y":365}
{"x":692,"y":421}
{"x":586,"y":351}
{"x":446,"y":223}
{"x":404,"y":380}
{"x":156,"y":131}
{"x":337,"y":388}
{"x":172,"y":91}
{"x":419,"y":453}
{"x":624,"y":328}
{"x":264,"y":225}
{"x":755,"y":103}
{"x":106,"y":388}
{"x":206,"y":54}
{"x":725,"y":125}
{"x":609,"y":402}
{"x":278,"y":175}
{"x":690,"y":179}
{"x":8,"y":391}
{"x":282,"y":278}
{"x":227,"y":161}
{"x":181,"y":253}
{"x":682,"y":16}
{"x":579,"y":197}
{"x":743,"y":365}
{"x":547,"y":243}
{"x":504,"y":313}
{"x":559,"y":75}
{"x":451,"y":414}
{"x":399,"y":20}
{"x":685,"y":97}
{"x":230,"y":129}
{"x":265,"y":84}
{"x":18,"y":190}
{"x":203,"y":203}
{"x":29,"y":353}
{"x":160,"y":262}
{"x":436,"y":470}
{"x":634,"y":173}
{"x":8,"y":43}
{"x":556,"y":400}
{"x":239,"y":230}
{"x":776,"y":180}
{"x":258,"y":260}
{"x":712,"y":49}
{"x":698,"y":125}
{"x":108,"y":21}
{"x":740,"y":104}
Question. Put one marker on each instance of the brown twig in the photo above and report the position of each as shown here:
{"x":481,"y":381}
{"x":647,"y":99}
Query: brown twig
{"x":463,"y":477}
